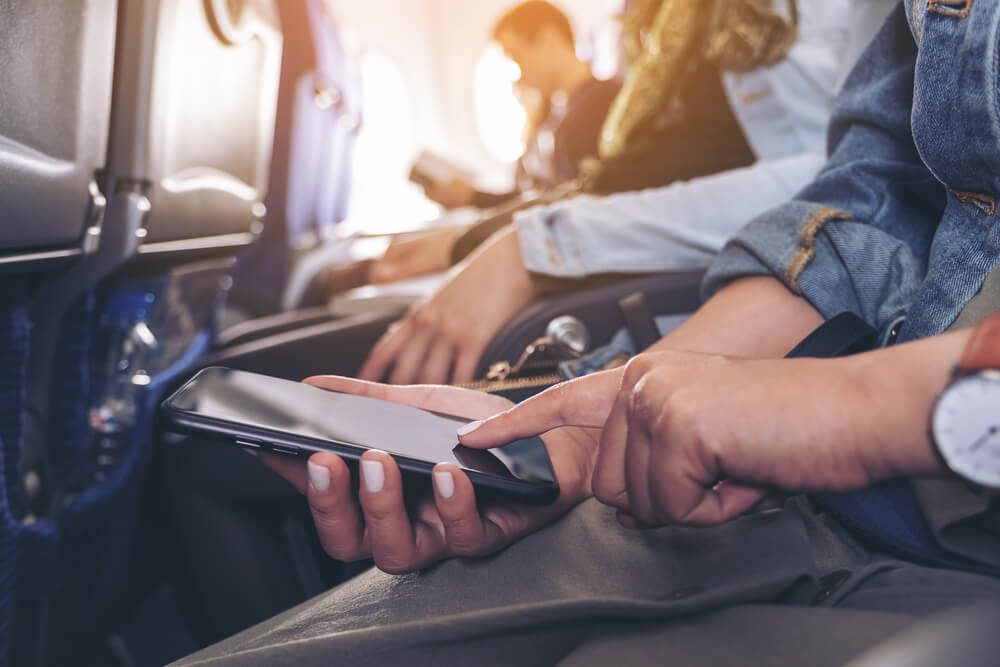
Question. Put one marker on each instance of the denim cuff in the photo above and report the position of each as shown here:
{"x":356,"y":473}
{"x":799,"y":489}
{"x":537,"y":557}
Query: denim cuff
{"x":821,"y":253}
{"x":763,"y":248}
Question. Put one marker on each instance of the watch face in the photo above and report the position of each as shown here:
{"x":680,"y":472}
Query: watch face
{"x":967,"y":428}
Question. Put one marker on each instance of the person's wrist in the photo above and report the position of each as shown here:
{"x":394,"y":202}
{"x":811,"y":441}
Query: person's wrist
{"x":898,"y":399}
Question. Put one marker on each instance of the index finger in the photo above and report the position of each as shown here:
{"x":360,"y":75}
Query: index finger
{"x":585,"y":402}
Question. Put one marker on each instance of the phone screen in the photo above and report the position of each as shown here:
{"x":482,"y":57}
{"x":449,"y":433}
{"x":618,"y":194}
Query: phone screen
{"x":274,"y":404}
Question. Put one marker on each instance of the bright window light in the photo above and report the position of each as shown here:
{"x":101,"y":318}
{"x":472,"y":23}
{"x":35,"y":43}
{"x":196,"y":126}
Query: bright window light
{"x":499,"y":116}
{"x":382,"y":199}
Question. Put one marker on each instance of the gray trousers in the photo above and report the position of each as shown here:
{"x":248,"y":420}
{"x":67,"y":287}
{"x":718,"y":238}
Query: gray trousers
{"x":783,"y":588}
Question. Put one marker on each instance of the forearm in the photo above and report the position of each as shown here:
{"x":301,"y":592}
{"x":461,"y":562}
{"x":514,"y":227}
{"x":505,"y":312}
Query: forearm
{"x":760,"y":318}
{"x":754,"y":318}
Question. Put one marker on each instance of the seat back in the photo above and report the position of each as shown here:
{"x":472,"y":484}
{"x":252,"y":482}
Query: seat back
{"x":192,"y":120}
{"x":188,"y":149}
{"x":56,"y":62}
{"x":326,"y":107}
{"x":309,"y":189}
{"x":180,"y":137}
{"x":55,"y":74}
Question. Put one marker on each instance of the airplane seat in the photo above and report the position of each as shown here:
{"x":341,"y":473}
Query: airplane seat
{"x":318,"y":118}
{"x":193,"y":121}
{"x":133,"y":167}
{"x":55,"y":74}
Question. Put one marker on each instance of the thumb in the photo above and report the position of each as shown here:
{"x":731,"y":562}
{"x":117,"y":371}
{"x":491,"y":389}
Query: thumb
{"x":585,"y":402}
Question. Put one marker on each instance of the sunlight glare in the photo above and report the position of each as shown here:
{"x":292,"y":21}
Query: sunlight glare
{"x":499,"y":116}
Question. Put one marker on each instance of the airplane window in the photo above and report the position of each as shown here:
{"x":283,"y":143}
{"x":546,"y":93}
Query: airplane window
{"x":382,"y":199}
{"x":500,"y":118}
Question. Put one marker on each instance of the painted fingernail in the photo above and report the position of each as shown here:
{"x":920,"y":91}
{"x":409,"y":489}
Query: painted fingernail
{"x":445,"y":484}
{"x":373,"y":474}
{"x":469,"y":428}
{"x":319,"y":477}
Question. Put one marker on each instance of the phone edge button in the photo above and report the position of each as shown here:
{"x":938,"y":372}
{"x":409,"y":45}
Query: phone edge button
{"x":248,"y":443}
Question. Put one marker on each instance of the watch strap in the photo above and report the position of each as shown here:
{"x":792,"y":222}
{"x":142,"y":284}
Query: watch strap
{"x":983,"y":349}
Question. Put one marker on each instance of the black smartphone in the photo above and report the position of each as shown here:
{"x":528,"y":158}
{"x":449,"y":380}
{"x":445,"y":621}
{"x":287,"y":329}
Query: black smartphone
{"x":285,"y":417}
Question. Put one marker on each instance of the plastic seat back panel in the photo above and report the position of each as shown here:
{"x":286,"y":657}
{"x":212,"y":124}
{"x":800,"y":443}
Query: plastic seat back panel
{"x":56,"y":61}
{"x":193,"y":116}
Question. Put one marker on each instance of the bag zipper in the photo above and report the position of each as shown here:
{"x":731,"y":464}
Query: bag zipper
{"x":508,"y":384}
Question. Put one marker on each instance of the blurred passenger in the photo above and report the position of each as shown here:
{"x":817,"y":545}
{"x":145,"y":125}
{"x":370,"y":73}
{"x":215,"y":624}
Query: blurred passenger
{"x":566,"y":107}
{"x":565,"y":103}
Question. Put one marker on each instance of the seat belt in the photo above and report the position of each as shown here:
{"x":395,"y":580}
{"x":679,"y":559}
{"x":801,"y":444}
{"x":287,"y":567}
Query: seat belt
{"x":639,"y":320}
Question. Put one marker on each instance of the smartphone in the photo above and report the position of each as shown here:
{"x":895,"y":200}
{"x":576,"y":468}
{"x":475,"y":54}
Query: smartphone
{"x":275,"y":415}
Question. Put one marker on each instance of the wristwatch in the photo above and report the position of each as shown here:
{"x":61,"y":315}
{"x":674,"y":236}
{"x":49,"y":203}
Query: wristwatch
{"x":966,"y":421}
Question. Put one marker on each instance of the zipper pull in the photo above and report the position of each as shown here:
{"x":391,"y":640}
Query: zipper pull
{"x":498,"y":371}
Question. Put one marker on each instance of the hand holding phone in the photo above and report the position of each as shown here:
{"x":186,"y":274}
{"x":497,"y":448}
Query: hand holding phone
{"x":358,"y":524}
{"x":275,"y":415}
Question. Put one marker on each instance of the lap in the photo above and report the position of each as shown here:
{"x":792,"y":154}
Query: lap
{"x":741,"y":635}
{"x":585,"y":586}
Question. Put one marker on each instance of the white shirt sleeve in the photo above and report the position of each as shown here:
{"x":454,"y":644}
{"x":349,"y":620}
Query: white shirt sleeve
{"x":677,"y":227}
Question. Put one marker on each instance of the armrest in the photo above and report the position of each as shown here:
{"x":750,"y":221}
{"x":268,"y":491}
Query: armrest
{"x":338,"y":347}
{"x":597,"y":307}
{"x":263,"y":327}
{"x":393,"y":299}
{"x":302,"y":343}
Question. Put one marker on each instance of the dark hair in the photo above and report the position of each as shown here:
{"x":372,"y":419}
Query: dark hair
{"x":528,"y":18}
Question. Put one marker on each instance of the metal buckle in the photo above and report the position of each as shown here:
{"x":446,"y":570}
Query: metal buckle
{"x":95,"y":219}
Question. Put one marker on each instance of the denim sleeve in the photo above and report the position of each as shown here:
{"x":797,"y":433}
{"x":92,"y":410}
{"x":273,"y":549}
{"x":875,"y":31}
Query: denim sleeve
{"x":858,"y":237}
{"x":678,"y":227}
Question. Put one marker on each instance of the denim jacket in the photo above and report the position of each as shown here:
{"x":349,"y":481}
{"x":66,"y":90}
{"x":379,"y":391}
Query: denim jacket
{"x":900,"y":226}
{"x":783,"y":111}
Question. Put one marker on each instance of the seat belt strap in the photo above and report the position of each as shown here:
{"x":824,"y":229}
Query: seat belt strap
{"x":639,"y":320}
